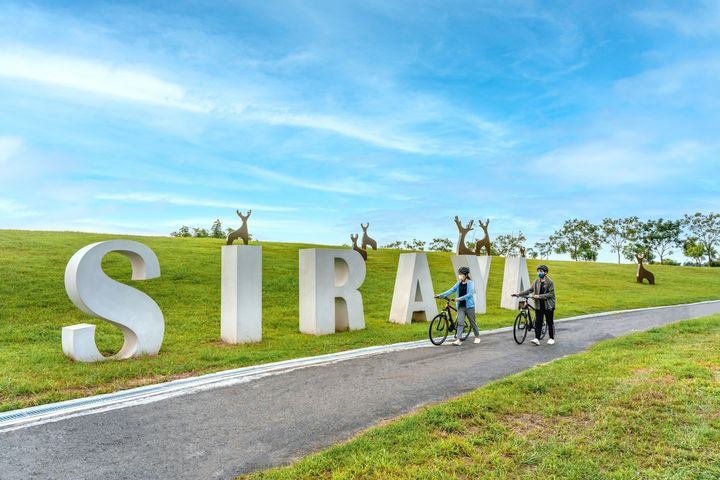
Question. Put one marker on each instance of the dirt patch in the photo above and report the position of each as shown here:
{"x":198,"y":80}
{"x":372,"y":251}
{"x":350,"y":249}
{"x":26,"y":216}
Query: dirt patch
{"x":649,"y":397}
{"x":532,"y":424}
{"x":645,"y":375}
{"x":711,"y":415}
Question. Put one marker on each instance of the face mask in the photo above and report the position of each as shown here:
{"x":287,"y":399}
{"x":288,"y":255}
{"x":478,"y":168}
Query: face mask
{"x":541,"y":274}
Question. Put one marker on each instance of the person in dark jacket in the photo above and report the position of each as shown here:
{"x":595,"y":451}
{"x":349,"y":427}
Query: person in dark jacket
{"x":543,"y":291}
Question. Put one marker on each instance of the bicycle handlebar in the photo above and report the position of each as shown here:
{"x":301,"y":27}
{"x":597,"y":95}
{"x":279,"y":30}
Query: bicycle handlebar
{"x":447,"y":299}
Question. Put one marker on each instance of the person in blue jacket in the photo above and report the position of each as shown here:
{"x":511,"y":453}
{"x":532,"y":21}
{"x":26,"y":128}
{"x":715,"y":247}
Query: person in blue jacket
{"x":465,"y":289}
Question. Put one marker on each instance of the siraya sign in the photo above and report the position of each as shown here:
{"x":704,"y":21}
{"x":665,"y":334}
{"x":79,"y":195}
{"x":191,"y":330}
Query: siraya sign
{"x":330,"y":299}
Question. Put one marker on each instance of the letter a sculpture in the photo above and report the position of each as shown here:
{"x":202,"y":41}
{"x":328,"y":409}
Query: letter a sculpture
{"x":241,"y":232}
{"x":642,"y":273}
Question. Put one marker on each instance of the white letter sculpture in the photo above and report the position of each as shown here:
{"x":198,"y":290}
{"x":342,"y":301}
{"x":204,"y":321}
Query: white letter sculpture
{"x":479,"y":272}
{"x":413,"y":295}
{"x":329,"y":298}
{"x":96,"y":294}
{"x":241,"y":294}
{"x":515,"y":279}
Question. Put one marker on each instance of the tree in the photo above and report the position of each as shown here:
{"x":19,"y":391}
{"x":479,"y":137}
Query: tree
{"x":216,"y":230}
{"x":692,"y":248}
{"x":587,"y":253}
{"x":441,"y":245}
{"x":661,"y":235}
{"x":638,"y":247}
{"x":200,"y":233}
{"x":183,"y":231}
{"x":706,"y":228}
{"x":509,"y":244}
{"x":618,"y":232}
{"x":396,"y":245}
{"x":415,"y":244}
{"x":532,"y":253}
{"x":578,"y":238}
{"x":544,"y":249}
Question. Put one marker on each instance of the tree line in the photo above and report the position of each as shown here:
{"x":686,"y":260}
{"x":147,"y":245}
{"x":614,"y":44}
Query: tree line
{"x":696,"y":235}
{"x":215,"y":231}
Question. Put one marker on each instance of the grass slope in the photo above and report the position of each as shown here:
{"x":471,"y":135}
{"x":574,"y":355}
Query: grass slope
{"x":645,"y":406}
{"x":34,"y":307}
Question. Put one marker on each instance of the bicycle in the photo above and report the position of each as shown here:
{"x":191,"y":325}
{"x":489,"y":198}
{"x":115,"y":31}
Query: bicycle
{"x":443,"y":323}
{"x":524,"y":322}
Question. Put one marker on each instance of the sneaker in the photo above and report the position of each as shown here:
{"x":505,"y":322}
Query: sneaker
{"x":535,"y":341}
{"x":477,"y":340}
{"x":551,"y":341}
{"x":456,"y":342}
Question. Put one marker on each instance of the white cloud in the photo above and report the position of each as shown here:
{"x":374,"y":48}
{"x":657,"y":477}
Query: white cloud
{"x":12,"y":208}
{"x":96,"y":77}
{"x":374,"y":136}
{"x":614,"y":163}
{"x":404,"y":176}
{"x":10,"y":147}
{"x":698,"y":22}
{"x":144,"y":197}
{"x":389,"y":130}
{"x":696,"y":80}
{"x":345,"y":186}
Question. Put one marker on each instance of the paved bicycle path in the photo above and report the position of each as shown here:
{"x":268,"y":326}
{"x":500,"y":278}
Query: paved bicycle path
{"x":222,"y":432}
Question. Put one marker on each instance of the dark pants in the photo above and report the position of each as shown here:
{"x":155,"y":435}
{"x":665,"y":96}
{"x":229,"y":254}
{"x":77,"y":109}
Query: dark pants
{"x":548,"y":315}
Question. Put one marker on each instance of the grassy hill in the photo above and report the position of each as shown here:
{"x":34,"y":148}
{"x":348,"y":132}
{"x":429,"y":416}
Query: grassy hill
{"x":34,"y":307}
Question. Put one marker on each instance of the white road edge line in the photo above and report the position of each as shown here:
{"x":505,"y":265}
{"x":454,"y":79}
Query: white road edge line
{"x":54,"y":412}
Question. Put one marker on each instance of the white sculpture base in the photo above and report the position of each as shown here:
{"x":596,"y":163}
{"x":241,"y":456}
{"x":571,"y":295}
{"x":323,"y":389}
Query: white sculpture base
{"x":413,"y":295}
{"x":78,"y":343}
{"x":479,"y":272}
{"x":515,"y":279}
{"x":329,"y":298}
{"x":241,"y":294}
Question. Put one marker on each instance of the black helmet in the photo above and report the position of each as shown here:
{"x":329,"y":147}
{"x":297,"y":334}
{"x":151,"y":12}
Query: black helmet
{"x":543,"y":268}
{"x":464,"y":270}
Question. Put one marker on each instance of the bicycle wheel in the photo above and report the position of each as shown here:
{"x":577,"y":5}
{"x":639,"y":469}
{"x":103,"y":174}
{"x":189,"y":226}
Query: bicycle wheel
{"x":520,"y":329}
{"x":438,"y":331}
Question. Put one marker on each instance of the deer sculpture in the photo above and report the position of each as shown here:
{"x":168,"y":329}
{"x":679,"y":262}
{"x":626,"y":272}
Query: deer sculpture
{"x":366,"y":240}
{"x":485,"y":241}
{"x":241,"y":232}
{"x":522,"y":251}
{"x":361,"y":251}
{"x":462,"y":249}
{"x":642,"y":273}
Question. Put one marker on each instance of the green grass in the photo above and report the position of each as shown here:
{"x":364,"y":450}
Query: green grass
{"x":34,"y":307}
{"x":645,"y":406}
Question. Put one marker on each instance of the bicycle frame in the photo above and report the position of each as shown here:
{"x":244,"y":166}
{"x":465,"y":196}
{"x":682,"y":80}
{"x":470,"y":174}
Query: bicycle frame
{"x":525,"y":304}
{"x":449,"y":309}
{"x":443,"y":323}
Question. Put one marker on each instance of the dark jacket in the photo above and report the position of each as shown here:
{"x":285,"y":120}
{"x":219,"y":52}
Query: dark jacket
{"x":548,"y":296}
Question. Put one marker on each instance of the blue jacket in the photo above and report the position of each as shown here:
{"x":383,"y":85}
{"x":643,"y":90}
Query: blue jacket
{"x":469,"y":298}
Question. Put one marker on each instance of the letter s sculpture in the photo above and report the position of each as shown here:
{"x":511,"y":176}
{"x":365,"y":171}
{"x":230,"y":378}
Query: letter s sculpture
{"x":96,"y":294}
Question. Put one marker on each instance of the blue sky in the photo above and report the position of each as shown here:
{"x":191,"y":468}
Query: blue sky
{"x":130,"y":118}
